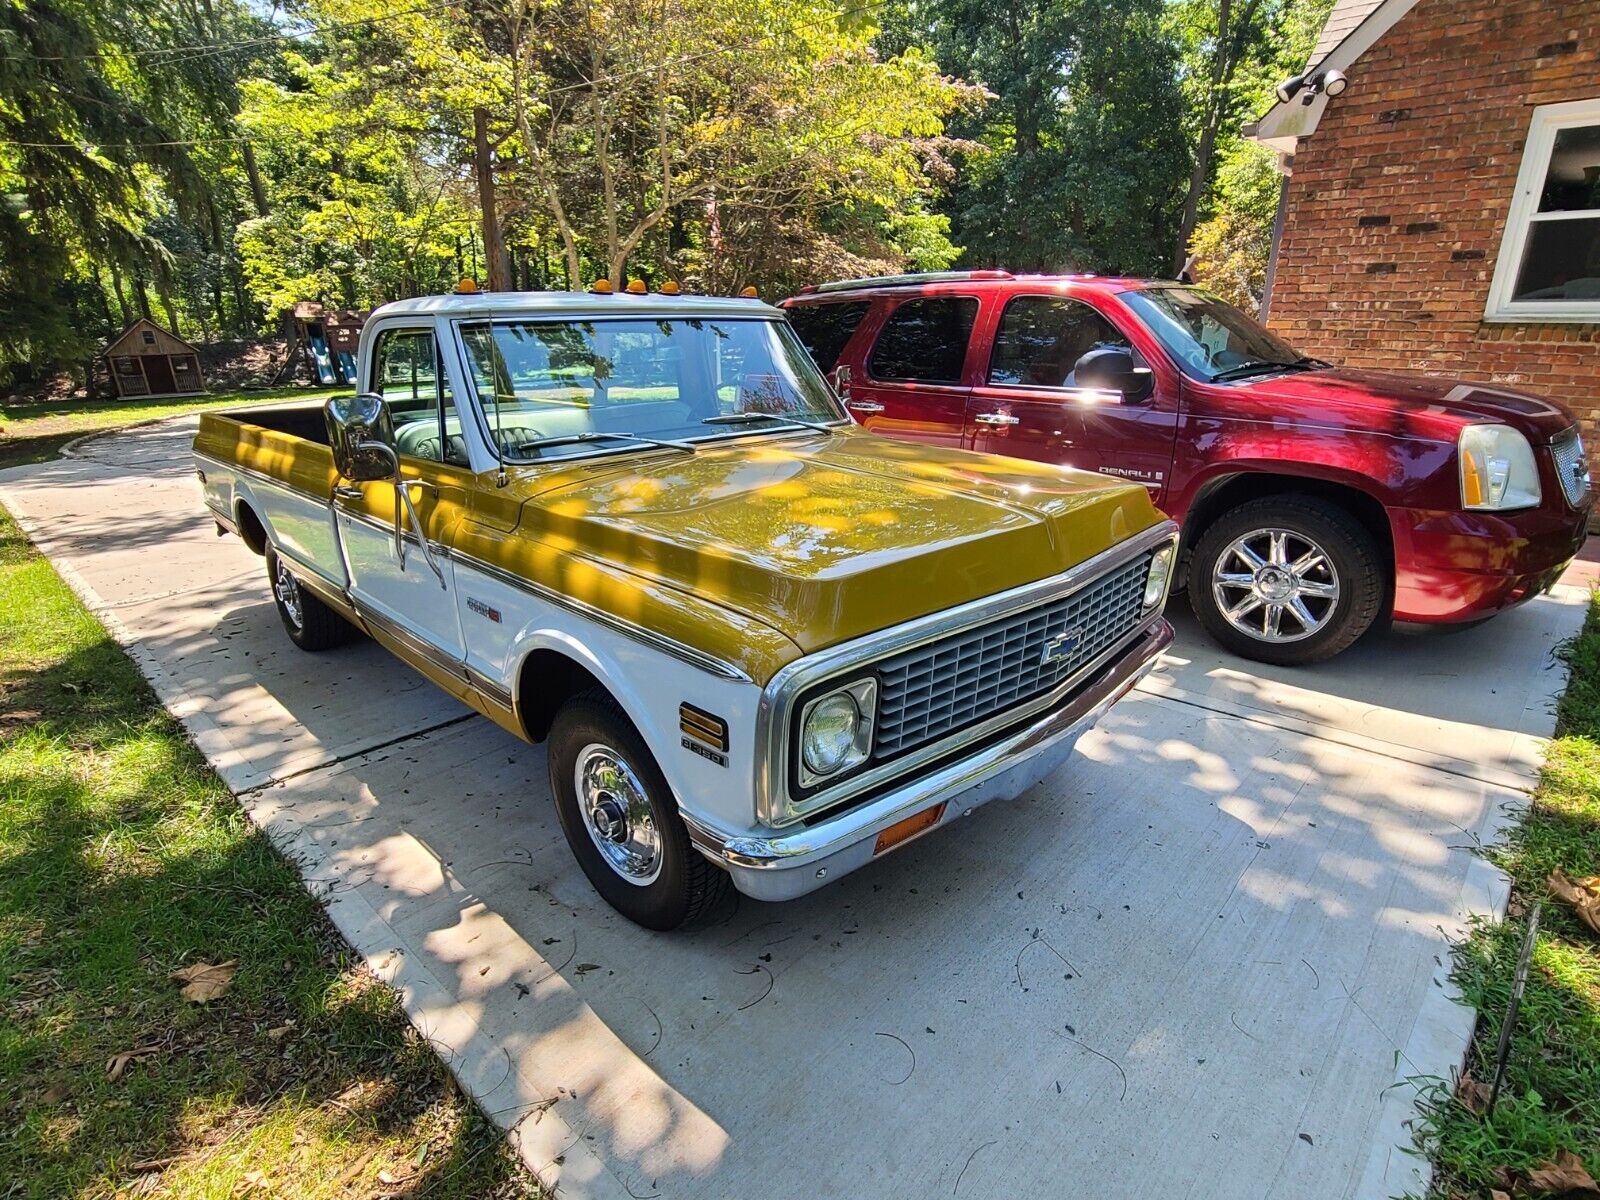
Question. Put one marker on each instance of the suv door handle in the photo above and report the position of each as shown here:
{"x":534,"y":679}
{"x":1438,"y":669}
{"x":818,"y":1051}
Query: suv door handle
{"x":996,"y":418}
{"x":863,"y":406}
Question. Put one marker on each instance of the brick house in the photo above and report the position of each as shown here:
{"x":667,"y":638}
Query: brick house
{"x":1442,"y":213}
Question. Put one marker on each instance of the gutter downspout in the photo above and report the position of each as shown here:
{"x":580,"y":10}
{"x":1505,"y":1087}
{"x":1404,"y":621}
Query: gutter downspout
{"x":1277,"y":240}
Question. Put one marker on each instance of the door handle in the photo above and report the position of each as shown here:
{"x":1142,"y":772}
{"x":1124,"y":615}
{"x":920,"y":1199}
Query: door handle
{"x":996,"y":418}
{"x":863,"y":406}
{"x":345,"y":492}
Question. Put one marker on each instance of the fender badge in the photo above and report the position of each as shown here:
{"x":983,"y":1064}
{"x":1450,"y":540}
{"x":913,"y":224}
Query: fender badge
{"x":483,"y":610}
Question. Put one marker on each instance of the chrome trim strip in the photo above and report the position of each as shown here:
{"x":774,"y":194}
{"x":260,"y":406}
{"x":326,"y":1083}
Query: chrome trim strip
{"x":423,"y":650}
{"x":773,"y":805}
{"x":678,"y":650}
{"x":490,"y":690}
{"x":767,"y":866}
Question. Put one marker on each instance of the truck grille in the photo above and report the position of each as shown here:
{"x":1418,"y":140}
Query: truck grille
{"x":967,"y":677}
{"x":1571,"y":466}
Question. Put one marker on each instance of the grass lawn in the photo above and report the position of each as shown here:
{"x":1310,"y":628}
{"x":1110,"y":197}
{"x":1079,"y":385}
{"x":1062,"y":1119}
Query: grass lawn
{"x":1551,"y":1098}
{"x":122,"y":859}
{"x":31,"y":433}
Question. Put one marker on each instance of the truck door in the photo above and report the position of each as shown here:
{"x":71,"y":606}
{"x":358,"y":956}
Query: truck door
{"x":1030,"y":404}
{"x":410,"y":592}
{"x":913,"y":385}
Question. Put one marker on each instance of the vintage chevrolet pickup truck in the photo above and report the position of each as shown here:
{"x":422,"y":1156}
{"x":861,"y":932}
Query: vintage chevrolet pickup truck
{"x":759,"y":643}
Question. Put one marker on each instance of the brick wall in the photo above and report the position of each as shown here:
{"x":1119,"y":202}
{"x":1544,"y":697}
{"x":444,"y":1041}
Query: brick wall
{"x":1398,"y":201}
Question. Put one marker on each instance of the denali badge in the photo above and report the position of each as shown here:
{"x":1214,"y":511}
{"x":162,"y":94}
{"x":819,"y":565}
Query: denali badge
{"x":1062,"y":645}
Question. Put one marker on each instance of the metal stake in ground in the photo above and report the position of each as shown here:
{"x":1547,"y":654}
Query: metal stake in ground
{"x":1518,"y":982}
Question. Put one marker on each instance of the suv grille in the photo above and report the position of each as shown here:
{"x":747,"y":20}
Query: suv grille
{"x":1572,"y":467}
{"x":967,"y":677}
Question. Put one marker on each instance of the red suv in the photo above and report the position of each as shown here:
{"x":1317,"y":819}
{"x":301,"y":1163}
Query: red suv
{"x":1314,"y":500}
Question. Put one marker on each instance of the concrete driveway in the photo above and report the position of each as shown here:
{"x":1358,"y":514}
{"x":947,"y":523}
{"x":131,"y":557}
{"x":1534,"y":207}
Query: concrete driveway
{"x":1195,"y":963}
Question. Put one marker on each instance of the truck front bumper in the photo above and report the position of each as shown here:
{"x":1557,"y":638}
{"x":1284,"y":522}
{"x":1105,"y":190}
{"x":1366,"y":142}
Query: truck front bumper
{"x":791,"y":864}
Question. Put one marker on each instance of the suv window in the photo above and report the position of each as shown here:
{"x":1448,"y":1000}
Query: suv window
{"x":825,"y":329}
{"x":925,"y":340}
{"x":407,"y":373}
{"x":1041,"y":339}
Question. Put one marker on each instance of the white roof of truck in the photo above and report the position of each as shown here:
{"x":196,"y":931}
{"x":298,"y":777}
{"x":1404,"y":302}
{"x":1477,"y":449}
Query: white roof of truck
{"x":575,"y":304}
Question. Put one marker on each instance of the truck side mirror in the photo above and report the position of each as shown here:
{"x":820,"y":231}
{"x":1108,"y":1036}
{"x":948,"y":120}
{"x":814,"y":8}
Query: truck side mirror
{"x":1112,"y":369}
{"x":841,"y":381}
{"x":361,"y":434}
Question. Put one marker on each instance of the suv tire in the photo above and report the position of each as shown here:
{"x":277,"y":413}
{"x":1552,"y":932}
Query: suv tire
{"x":1287,"y":580}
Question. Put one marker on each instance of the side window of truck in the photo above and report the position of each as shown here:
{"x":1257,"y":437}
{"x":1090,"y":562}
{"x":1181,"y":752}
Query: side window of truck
{"x":1041,"y":339}
{"x":825,"y":329}
{"x":408,"y":374}
{"x":925,"y":340}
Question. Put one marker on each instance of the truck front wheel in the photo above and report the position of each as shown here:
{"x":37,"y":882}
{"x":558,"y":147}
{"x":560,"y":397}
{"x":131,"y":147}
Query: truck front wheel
{"x":620,"y":818}
{"x":310,"y":623}
{"x":1286,"y":580}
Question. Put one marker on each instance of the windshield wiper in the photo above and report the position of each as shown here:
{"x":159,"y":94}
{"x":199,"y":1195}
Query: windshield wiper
{"x":577,"y":439}
{"x":1257,"y":367}
{"x":746,"y":418}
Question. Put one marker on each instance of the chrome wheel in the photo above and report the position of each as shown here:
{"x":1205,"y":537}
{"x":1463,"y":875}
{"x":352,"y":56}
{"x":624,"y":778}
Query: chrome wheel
{"x":1275,"y":585}
{"x":617,"y":813}
{"x":287,"y":589}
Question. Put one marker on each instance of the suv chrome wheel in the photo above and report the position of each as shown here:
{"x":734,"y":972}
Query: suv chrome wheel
{"x":1275,"y":585}
{"x":616,"y":812}
{"x":287,"y":588}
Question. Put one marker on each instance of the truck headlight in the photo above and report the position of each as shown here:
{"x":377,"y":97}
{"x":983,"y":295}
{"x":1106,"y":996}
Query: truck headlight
{"x":1498,"y":470}
{"x":836,"y":731}
{"x":1155,"y":583}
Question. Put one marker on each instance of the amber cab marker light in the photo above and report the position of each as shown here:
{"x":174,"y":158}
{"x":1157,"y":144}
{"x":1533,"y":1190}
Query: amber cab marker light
{"x":636,"y":287}
{"x":904,"y":831}
{"x":749,"y":293}
{"x":467,"y":287}
{"x":602,"y":287}
{"x":670,"y":288}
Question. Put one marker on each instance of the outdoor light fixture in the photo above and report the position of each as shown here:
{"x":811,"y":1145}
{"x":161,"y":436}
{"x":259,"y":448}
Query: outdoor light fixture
{"x":1331,"y":83}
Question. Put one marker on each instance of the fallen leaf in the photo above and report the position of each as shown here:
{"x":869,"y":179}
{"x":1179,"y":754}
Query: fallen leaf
{"x":387,"y":1178}
{"x":1583,"y":894}
{"x":1473,"y":1094}
{"x":55,"y":1095}
{"x":585,"y":968}
{"x":251,"y":1181}
{"x":281,"y":1032}
{"x":1567,"y":1176}
{"x":117,"y":1065}
{"x":204,"y":981}
{"x":71,"y":687}
{"x":1497,"y":1194}
{"x":354,"y":1169}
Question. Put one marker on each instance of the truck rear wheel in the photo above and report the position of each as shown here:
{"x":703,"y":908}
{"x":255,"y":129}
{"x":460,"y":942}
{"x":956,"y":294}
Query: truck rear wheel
{"x":621,"y":821}
{"x":1286,"y":580}
{"x":310,"y":623}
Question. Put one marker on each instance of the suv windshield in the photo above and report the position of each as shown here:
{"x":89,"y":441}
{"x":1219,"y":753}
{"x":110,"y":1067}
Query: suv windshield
{"x":1210,"y":339}
{"x":585,"y":386}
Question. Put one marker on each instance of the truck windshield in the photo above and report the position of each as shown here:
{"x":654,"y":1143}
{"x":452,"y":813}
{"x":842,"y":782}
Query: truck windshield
{"x":1210,"y":339}
{"x":554,"y":389}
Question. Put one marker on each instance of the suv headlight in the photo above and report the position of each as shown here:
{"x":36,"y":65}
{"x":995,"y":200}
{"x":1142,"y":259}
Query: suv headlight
{"x":1155,"y":583}
{"x":1498,"y":470}
{"x":836,"y":731}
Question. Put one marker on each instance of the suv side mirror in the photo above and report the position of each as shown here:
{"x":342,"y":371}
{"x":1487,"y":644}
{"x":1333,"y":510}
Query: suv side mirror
{"x":1112,"y":369}
{"x":361,"y":434}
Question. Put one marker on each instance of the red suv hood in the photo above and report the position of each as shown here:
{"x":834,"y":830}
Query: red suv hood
{"x":1421,"y":404}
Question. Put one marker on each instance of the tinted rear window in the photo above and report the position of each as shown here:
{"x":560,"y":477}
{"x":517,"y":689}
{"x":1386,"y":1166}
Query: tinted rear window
{"x":826,"y":328}
{"x":925,"y":341}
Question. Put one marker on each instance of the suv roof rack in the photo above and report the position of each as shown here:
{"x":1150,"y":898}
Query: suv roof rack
{"x":880,"y":281}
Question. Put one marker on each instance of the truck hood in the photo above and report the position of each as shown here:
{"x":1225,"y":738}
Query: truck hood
{"x":1419,"y":404}
{"x":825,"y":538}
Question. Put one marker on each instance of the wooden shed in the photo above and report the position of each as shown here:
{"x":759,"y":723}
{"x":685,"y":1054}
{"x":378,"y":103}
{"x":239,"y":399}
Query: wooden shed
{"x":146,"y":360}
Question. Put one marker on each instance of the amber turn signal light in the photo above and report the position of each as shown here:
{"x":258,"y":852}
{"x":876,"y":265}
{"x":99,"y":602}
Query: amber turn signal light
{"x":904,"y":831}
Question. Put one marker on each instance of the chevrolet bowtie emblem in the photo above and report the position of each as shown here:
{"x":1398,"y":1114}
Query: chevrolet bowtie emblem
{"x":1061,"y":646}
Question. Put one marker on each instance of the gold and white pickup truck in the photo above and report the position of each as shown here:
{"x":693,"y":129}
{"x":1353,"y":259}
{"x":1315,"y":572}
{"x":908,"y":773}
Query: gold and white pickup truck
{"x":758,"y":642}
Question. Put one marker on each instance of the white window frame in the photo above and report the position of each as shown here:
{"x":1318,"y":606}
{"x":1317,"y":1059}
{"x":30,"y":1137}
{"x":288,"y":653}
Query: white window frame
{"x":1548,"y":120}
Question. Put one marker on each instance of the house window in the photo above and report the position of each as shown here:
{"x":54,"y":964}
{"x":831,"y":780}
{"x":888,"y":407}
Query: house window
{"x":1549,"y":264}
{"x":149,"y":338}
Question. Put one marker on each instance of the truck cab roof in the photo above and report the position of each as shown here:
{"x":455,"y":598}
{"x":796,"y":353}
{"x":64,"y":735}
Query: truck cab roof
{"x":487,"y":305}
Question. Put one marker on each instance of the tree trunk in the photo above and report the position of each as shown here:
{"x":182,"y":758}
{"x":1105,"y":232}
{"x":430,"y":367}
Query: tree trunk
{"x":494,"y":248}
{"x":258,"y":191}
{"x":1203,"y":153}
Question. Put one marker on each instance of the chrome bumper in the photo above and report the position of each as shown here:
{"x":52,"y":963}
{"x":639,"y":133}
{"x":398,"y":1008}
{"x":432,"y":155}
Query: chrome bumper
{"x":791,"y":864}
